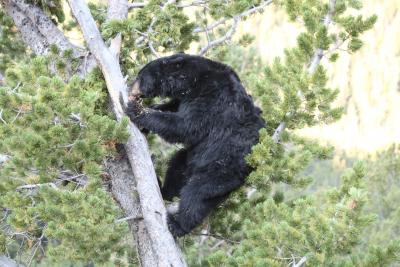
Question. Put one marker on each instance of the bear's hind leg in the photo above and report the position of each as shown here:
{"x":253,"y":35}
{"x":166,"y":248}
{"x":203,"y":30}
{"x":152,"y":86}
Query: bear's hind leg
{"x":175,"y":178}
{"x":197,"y":199}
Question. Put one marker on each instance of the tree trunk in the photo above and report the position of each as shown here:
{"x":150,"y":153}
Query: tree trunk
{"x":162,"y":246}
{"x":7,"y":262}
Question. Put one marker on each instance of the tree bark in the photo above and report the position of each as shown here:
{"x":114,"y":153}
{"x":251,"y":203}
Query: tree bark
{"x":39,"y":32}
{"x":123,"y":187}
{"x":158,"y":240}
{"x":124,"y":192}
{"x":7,"y":262}
{"x":37,"y":29}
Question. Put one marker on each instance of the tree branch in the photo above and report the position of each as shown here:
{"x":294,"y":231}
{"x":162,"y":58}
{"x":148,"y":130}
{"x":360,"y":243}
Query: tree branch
{"x":3,"y":158}
{"x":181,"y":5}
{"x":300,"y":263}
{"x":221,"y":40}
{"x":7,"y":262}
{"x":231,"y":31}
{"x":150,"y":30}
{"x":315,"y":60}
{"x":1,"y":79}
{"x":46,"y":27}
{"x":123,"y":184}
{"x":238,"y":17}
{"x":39,"y":32}
{"x":136,"y":5}
{"x":29,"y":32}
{"x":206,"y":29}
{"x":34,"y":186}
{"x":193,"y":3}
{"x":163,"y":246}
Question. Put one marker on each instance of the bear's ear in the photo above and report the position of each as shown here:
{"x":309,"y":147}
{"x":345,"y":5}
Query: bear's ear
{"x":176,"y":60}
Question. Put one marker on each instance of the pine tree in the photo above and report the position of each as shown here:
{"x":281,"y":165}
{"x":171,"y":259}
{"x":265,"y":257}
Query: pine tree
{"x":57,"y":132}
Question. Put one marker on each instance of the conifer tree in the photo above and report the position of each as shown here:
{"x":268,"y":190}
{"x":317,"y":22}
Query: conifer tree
{"x":59,"y":136}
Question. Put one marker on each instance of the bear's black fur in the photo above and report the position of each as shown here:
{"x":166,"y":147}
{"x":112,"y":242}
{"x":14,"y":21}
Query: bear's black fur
{"x":216,"y":120}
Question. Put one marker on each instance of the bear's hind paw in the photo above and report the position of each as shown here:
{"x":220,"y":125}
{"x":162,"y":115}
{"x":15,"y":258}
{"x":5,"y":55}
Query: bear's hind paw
{"x":174,"y":227}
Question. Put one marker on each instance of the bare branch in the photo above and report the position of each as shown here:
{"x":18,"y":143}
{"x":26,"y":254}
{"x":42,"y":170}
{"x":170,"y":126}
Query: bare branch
{"x":162,"y":244}
{"x":1,"y":78}
{"x":221,"y":40}
{"x":153,"y":50}
{"x":136,"y":5}
{"x":35,"y":186}
{"x":3,"y":158}
{"x":210,"y":44}
{"x":36,"y":246}
{"x":300,"y":263}
{"x":315,"y":60}
{"x":150,"y":28}
{"x":232,"y":29}
{"x":193,"y":3}
{"x":67,"y":176}
{"x":1,"y":117}
{"x":132,"y":217}
{"x":237,"y":17}
{"x":181,"y":5}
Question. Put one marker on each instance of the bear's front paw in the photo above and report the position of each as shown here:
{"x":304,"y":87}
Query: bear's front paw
{"x":134,"y":108}
{"x":174,"y":227}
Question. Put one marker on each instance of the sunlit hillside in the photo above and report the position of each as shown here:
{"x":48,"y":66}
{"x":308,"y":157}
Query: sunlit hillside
{"x":368,"y":81}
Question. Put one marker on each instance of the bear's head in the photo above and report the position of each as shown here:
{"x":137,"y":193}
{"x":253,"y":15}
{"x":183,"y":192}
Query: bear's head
{"x":175,"y":76}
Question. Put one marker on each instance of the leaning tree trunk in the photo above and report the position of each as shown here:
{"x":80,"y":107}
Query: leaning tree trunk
{"x":134,"y":183}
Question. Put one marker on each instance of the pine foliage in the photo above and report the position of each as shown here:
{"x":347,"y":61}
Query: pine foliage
{"x":56,"y":130}
{"x":56,"y":134}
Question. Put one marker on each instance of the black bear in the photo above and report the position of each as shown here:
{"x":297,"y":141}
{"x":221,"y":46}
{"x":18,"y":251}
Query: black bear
{"x":211,"y":114}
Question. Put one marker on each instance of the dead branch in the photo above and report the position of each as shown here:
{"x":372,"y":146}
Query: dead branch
{"x":229,"y":34}
{"x":237,"y":17}
{"x":136,"y":5}
{"x":39,"y":32}
{"x":221,"y":40}
{"x":300,"y":262}
{"x":35,"y":186}
{"x":7,"y":262}
{"x":150,"y":30}
{"x":3,"y":158}
{"x":123,"y":187}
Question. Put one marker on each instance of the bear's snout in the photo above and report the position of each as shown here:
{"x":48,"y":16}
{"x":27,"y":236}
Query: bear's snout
{"x":135,"y":90}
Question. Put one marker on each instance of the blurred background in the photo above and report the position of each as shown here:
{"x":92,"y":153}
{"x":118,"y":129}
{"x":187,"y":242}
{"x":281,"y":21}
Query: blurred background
{"x":369,"y":80}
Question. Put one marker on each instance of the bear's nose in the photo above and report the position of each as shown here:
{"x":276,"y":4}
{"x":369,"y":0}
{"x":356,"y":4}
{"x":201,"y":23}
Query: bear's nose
{"x":135,"y":90}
